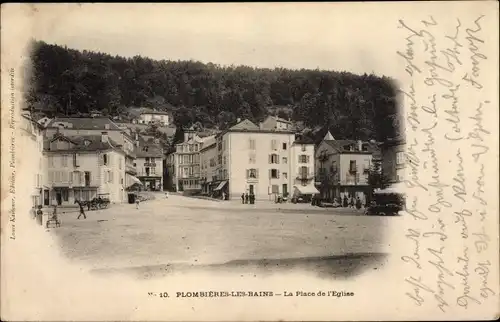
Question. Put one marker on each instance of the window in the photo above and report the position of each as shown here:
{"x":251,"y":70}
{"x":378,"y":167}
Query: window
{"x":153,"y":170}
{"x":274,"y":158}
{"x":251,"y":144}
{"x":76,"y":162}
{"x":224,"y":159}
{"x":185,"y":159}
{"x":105,"y":159}
{"x":219,"y":159}
{"x":191,"y":148}
{"x":274,"y":174}
{"x":120,"y":164}
{"x":51,"y":160}
{"x":87,"y":178}
{"x":400,"y":158}
{"x":285,"y":175}
{"x":285,"y":160}
{"x":76,"y":178}
{"x":251,"y":158}
{"x":147,"y":159}
{"x":275,"y":188}
{"x":64,"y":161}
{"x":274,"y":145}
{"x":152,"y":160}
{"x":252,"y":174}
{"x":225,"y":174}
{"x":352,"y":166}
{"x":303,"y":172}
{"x":303,"y":147}
{"x":284,"y":146}
{"x":303,"y":158}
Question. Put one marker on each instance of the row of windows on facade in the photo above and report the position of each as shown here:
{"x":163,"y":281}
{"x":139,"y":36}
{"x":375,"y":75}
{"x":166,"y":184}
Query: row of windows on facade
{"x":105,"y":160}
{"x":188,"y":159}
{"x":83,"y":195}
{"x":80,"y":177}
{"x":188,"y":148}
{"x":275,"y":173}
{"x":353,"y":167}
{"x":252,"y":145}
{"x":252,"y":159}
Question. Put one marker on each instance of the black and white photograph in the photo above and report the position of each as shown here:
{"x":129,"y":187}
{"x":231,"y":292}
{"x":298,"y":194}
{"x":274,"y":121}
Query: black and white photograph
{"x":247,"y":161}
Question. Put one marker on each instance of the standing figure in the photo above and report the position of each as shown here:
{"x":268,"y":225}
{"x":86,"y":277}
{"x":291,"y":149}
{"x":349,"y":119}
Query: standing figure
{"x":358,"y":203}
{"x":82,"y":212}
{"x":39,"y":215}
{"x":242,"y":198}
{"x":246,"y":197}
{"x":351,"y":203}
{"x":137,"y":202}
{"x":346,"y":202}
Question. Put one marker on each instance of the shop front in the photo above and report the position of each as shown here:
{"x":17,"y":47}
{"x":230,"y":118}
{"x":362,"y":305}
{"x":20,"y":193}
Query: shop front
{"x":151,"y":183}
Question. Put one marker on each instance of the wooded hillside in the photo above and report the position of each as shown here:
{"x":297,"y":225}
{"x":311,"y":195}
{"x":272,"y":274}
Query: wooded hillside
{"x":67,"y":81}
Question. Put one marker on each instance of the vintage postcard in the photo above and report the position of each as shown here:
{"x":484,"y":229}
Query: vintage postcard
{"x":250,"y":161}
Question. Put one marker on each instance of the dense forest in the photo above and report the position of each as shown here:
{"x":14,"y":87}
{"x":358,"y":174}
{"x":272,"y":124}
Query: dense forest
{"x":71,"y":82}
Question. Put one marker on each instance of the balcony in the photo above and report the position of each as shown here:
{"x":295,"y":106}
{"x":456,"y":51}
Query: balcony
{"x":150,"y":164}
{"x":305,"y":176}
{"x":129,"y":168}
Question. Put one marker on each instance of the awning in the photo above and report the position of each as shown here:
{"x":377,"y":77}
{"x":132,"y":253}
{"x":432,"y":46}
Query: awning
{"x":307,"y":190}
{"x":395,"y":188}
{"x":135,"y":180}
{"x":221,"y":185}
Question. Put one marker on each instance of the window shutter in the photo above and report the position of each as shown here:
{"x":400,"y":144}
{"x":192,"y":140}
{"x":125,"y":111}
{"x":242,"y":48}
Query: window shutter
{"x":307,"y":159}
{"x":277,"y":159}
{"x":82,"y":177}
{"x":270,"y":173}
{"x":278,"y":174}
{"x":270,"y":159}
{"x":248,"y":174}
{"x":256,"y":173}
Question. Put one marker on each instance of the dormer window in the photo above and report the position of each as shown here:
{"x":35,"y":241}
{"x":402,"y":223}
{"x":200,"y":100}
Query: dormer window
{"x":86,"y":142}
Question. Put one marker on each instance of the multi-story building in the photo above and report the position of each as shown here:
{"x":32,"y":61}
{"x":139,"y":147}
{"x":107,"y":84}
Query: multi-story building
{"x":84,"y":167}
{"x":302,"y":167}
{"x":255,"y":160}
{"x":393,"y":159}
{"x":184,"y":162}
{"x":343,"y":167}
{"x":122,"y":136}
{"x":276,"y":123}
{"x":151,"y":116}
{"x":208,"y":165}
{"x":149,"y":163}
{"x":31,"y":139}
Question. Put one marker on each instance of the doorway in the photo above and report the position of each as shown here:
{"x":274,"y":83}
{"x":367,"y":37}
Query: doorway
{"x":251,"y":189}
{"x":59,"y":198}
{"x":285,"y":190}
{"x":46,"y":200}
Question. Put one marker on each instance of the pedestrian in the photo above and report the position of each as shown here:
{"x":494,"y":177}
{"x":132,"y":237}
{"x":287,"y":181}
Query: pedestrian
{"x":137,"y":202}
{"x":33,"y":211}
{"x":242,"y":198}
{"x":82,"y":212}
{"x":246,"y":197}
{"x":252,"y":199}
{"x":346,"y":202}
{"x":166,"y":195}
{"x":39,"y":215}
{"x":358,"y":203}
{"x":351,"y":203}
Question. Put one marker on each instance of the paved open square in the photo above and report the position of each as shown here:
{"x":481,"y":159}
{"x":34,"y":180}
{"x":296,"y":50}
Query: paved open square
{"x":181,"y":233}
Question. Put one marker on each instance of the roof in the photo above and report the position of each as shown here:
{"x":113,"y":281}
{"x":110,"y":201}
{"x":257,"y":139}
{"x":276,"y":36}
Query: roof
{"x":304,"y":140}
{"x":245,"y":125}
{"x":279,"y":119}
{"x":77,"y":123}
{"x":95,"y":143}
{"x":328,"y":137}
{"x":32,"y":120}
{"x":154,"y":112}
{"x":153,"y":149}
{"x":340,"y":146}
{"x":211,"y":145}
{"x":400,"y":140}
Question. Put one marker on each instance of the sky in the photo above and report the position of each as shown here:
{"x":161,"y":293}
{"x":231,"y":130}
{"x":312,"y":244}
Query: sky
{"x":356,"y":37}
{"x":325,"y":36}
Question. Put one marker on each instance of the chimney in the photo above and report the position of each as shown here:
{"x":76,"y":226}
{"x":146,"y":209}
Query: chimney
{"x":360,"y":145}
{"x":238,"y":120}
{"x":104,"y":137}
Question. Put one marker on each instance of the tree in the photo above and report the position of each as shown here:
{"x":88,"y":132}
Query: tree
{"x":376,"y":177}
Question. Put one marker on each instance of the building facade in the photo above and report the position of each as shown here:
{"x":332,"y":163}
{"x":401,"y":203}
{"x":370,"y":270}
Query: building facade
{"x":154,"y":117}
{"x":303,"y":167}
{"x":276,"y":123}
{"x":343,"y":167}
{"x":257,"y":161}
{"x":82,"y":168}
{"x":31,"y":139}
{"x":149,"y":164}
{"x":208,"y":166}
{"x":393,"y":159}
